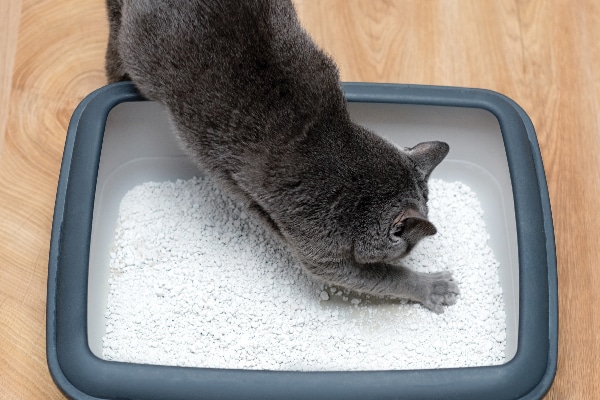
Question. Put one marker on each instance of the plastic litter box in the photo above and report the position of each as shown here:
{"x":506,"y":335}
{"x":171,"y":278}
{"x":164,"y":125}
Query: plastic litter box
{"x":117,"y":140}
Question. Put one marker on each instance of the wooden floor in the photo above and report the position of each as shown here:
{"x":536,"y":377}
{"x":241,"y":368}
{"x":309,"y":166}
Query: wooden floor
{"x":544,"y":54}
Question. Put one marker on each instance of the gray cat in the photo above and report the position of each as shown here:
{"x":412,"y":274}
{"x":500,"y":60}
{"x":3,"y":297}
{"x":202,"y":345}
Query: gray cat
{"x":259,"y":107}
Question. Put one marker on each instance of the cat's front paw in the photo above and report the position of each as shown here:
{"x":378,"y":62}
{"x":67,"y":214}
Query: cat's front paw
{"x":441,"y":290}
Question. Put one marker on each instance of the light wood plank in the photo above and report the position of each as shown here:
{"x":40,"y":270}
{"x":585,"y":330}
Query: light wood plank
{"x":22,"y":359}
{"x":59,"y":59}
{"x":10,"y":13}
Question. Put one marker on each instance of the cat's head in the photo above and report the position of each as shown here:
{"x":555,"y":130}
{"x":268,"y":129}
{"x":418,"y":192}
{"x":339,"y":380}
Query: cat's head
{"x":402,"y":221}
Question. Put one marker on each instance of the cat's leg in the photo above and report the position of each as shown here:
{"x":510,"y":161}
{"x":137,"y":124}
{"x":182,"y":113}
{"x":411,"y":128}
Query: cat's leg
{"x":115,"y":70}
{"x":252,"y":207}
{"x":434,"y":290}
{"x":258,"y":212}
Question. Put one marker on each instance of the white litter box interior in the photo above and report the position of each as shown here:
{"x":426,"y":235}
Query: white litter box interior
{"x":139,"y":147}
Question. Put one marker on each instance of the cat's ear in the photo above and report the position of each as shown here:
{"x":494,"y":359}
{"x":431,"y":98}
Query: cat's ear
{"x":411,"y":226}
{"x":428,"y":155}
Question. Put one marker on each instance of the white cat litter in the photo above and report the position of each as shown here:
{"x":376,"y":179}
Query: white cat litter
{"x":195,"y":282}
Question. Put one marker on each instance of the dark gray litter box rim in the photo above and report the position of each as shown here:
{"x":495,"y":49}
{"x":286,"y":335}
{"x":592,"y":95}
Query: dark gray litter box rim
{"x":82,"y":375}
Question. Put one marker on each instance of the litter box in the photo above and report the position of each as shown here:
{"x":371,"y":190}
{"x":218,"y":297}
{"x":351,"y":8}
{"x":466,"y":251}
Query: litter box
{"x":117,"y":140}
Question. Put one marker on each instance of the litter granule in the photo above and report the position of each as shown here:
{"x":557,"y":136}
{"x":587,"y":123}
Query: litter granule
{"x":196,"y":282}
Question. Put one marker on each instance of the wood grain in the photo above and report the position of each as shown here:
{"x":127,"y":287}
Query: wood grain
{"x":9,"y":26}
{"x":544,"y":54}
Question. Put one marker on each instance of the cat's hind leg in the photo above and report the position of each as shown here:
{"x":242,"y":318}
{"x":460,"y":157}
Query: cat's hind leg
{"x":115,"y":71}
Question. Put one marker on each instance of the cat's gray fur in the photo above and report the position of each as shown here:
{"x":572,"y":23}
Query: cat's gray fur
{"x":259,"y":107}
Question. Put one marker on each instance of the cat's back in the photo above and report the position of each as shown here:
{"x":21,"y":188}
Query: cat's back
{"x":199,"y":49}
{"x":192,"y":36}
{"x":182,"y":28}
